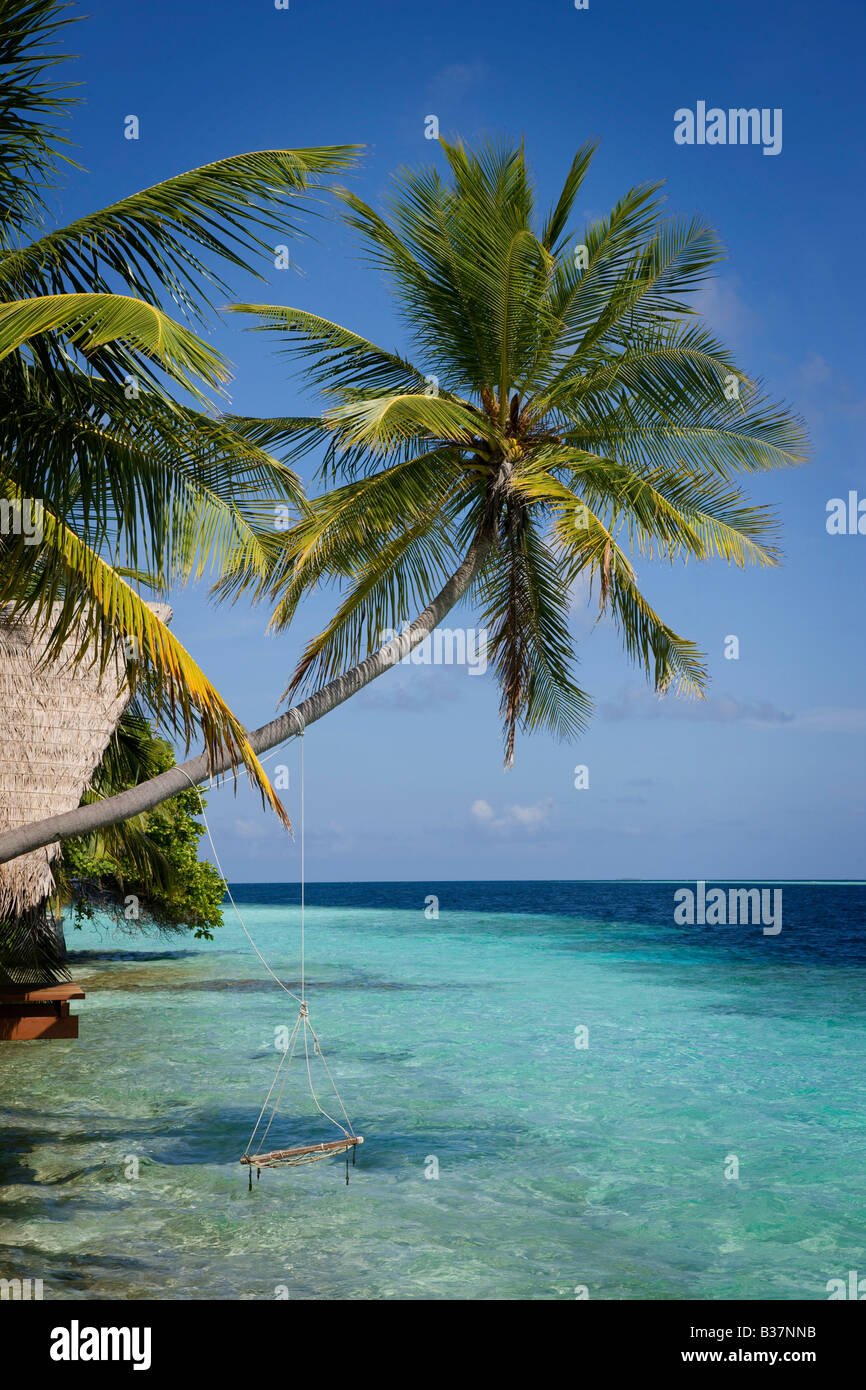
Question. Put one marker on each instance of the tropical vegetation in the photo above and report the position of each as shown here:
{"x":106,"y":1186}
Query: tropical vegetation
{"x":144,"y":872}
{"x":559,"y":414}
{"x":122,"y":474}
{"x":107,"y":432}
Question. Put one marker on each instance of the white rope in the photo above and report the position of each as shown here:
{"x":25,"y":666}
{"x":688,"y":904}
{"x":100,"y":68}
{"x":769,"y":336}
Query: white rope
{"x":303,"y":876}
{"x":288,"y":991}
{"x":303,"y":1013}
{"x":333,"y":1084}
{"x":289,"y":1052}
{"x":243,"y":771}
{"x":286,"y":1055}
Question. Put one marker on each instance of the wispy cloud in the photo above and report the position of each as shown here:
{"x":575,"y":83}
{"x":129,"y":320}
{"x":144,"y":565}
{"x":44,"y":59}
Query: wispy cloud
{"x":413,"y":688}
{"x":815,"y":371}
{"x":831,"y":394}
{"x":638,"y":703}
{"x":725,"y":311}
{"x":452,"y":83}
{"x":246,"y":829}
{"x":513,"y":817}
{"x":834,"y":719}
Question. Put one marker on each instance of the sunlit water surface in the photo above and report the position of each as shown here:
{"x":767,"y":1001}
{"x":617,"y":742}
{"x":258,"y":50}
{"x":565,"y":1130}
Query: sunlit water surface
{"x":453,"y":1045}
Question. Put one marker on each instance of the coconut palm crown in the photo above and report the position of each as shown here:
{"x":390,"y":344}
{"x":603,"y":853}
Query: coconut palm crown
{"x":562,"y":412}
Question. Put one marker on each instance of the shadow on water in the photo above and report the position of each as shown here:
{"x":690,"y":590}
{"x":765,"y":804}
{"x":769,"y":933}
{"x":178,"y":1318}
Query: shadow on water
{"x":71,"y":1276}
{"x":98,"y":957}
{"x":265,"y":986}
{"x":193,"y":1137}
{"x":182,"y":1135}
{"x":204,"y":1137}
{"x":828,"y":989}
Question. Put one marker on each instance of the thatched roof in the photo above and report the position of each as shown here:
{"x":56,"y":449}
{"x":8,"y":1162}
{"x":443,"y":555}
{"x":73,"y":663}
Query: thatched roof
{"x":56,"y":722}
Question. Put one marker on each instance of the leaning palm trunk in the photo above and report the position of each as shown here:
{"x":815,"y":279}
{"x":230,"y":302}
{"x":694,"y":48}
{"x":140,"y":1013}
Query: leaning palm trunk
{"x":84,"y":820}
{"x":57,"y":717}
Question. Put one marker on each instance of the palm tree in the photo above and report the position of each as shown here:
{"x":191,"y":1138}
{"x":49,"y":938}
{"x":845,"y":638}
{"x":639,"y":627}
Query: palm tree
{"x":118,"y":475}
{"x":563,"y":413}
{"x":124,"y":484}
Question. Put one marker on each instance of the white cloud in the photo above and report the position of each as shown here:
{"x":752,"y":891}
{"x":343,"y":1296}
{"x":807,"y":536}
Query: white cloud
{"x":452,"y":83}
{"x":725,"y":312}
{"x":641,"y":703}
{"x":513,"y":817}
{"x":815,"y":371}
{"x":246,"y":829}
{"x":531,"y":815}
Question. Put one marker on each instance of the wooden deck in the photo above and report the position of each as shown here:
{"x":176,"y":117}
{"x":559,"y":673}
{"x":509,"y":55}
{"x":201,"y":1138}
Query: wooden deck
{"x":28,"y":1012}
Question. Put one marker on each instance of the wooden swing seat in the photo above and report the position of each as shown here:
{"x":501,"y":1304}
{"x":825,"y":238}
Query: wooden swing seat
{"x":307,"y":1153}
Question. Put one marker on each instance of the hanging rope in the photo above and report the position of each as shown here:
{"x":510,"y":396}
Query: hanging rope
{"x":307,"y":1153}
{"x":274,"y":977}
{"x":303,"y":874}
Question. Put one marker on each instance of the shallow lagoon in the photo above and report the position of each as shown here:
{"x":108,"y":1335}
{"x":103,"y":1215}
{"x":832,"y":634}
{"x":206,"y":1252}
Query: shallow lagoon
{"x":454,"y":1040}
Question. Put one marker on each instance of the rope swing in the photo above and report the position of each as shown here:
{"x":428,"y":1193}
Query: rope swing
{"x":303,"y":1030}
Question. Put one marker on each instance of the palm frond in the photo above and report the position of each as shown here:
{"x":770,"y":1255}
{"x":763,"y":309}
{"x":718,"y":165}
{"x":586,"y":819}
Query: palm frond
{"x":556,"y":223}
{"x":165,"y":239}
{"x":334,"y":356}
{"x":78,"y":590}
{"x":573,"y":389}
{"x":33,"y":108}
{"x":381,"y":424}
{"x":669,"y":661}
{"x":349,"y":530}
{"x":89,"y":321}
{"x":525,"y":610}
{"x":174,"y":492}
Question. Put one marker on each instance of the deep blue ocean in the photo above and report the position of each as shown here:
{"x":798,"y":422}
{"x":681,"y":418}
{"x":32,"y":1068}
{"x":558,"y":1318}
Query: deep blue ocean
{"x":559,"y":1089}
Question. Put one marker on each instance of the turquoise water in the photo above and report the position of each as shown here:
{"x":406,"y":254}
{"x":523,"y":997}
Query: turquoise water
{"x":454,"y":1040}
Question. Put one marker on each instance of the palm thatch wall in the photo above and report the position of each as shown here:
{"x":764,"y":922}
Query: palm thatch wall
{"x":56,"y":719}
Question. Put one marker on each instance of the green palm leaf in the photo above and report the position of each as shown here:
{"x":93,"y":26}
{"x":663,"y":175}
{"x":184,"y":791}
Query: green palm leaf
{"x":78,"y":590}
{"x":90,"y":321}
{"x":131,"y":480}
{"x":157,"y":240}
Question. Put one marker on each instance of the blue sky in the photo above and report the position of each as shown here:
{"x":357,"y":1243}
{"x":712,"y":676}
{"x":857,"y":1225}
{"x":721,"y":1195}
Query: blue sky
{"x":764,"y":780}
